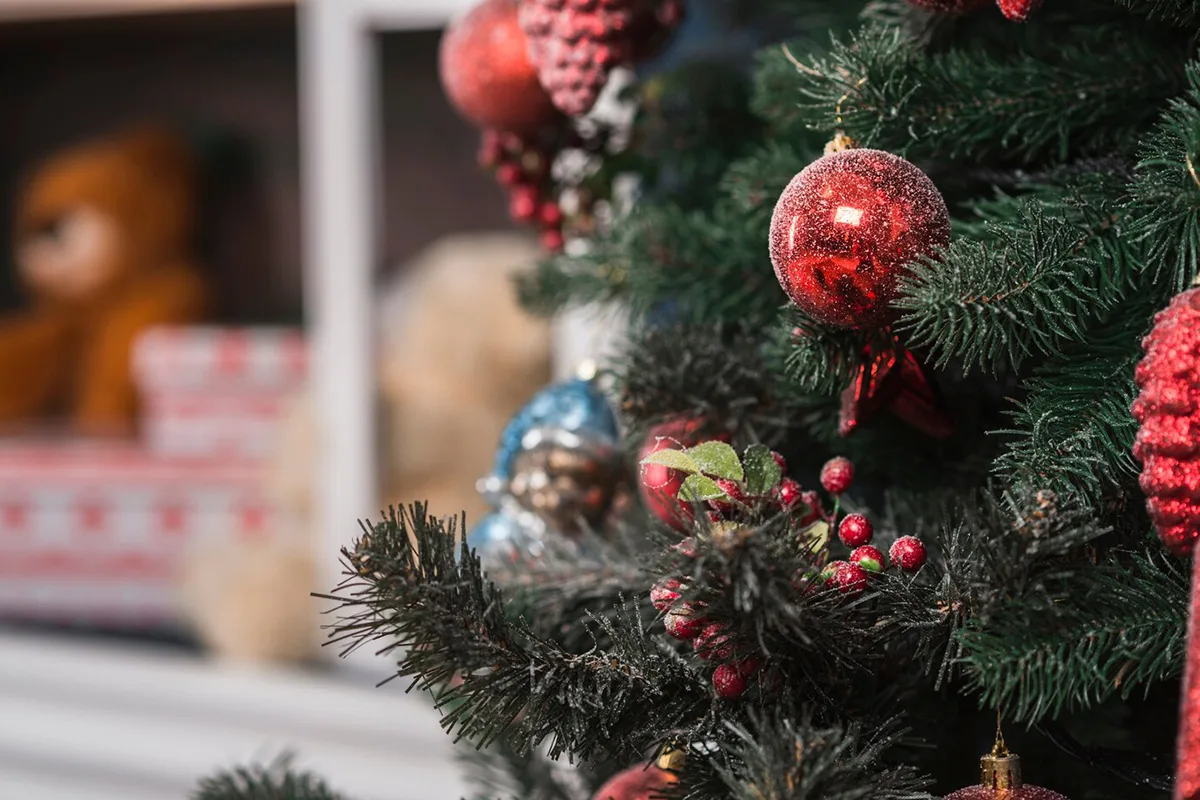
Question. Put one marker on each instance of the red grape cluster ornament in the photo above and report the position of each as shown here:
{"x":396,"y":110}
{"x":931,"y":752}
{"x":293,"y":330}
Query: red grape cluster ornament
{"x":1168,"y":445}
{"x":843,"y":234}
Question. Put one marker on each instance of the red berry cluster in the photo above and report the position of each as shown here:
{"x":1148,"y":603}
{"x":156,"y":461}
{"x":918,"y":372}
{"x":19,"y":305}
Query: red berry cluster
{"x":712,"y":641}
{"x":522,"y":166}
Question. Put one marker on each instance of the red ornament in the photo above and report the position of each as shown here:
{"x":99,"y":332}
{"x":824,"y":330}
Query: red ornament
{"x":486,"y":71}
{"x":664,"y":593}
{"x":856,"y":530}
{"x":523,"y":203}
{"x":552,"y":240}
{"x":729,"y":681}
{"x":1168,"y":410}
{"x":659,"y":486}
{"x":714,"y":643}
{"x":837,"y":475}
{"x":892,"y":378}
{"x":1018,"y":10}
{"x":684,"y":622}
{"x":576,"y":45}
{"x":846,"y":228}
{"x":868,"y":557}
{"x":848,"y":578}
{"x":1000,"y":779}
{"x":789,"y":493}
{"x":907,"y":553}
{"x":636,"y":783}
{"x":780,"y":461}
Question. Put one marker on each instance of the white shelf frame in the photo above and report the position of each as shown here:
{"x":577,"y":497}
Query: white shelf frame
{"x":340,"y":132}
{"x":34,"y":10}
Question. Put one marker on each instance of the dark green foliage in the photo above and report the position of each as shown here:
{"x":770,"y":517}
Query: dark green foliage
{"x":276,"y":782}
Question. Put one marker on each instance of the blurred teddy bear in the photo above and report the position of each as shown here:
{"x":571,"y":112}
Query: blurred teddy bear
{"x":102,"y":241}
{"x":458,"y":357}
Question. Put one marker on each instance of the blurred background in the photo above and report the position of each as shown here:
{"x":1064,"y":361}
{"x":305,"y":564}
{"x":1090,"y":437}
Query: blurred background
{"x":253,"y":288}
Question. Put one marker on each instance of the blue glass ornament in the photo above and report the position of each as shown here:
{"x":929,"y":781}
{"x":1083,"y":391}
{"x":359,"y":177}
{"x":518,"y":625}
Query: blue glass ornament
{"x":503,"y":540}
{"x":576,"y":405}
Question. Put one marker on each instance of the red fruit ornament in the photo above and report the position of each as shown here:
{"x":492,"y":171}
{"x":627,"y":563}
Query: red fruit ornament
{"x":868,"y":557}
{"x":846,"y":228}
{"x":848,"y":578}
{"x":639,"y":782}
{"x":856,"y":530}
{"x":575,"y":45}
{"x":664,"y":593}
{"x":659,"y":486}
{"x":837,"y":475}
{"x":684,"y":623}
{"x":908,"y":553}
{"x":789,"y":493}
{"x":1168,"y":411}
{"x":729,"y":681}
{"x":486,"y":71}
{"x":714,"y":643}
{"x":1018,"y":10}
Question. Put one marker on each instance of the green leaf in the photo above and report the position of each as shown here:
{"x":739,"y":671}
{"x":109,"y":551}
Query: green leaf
{"x":698,"y":488}
{"x":816,"y":536}
{"x":762,"y":473}
{"x":717,"y":459}
{"x":675,"y":459}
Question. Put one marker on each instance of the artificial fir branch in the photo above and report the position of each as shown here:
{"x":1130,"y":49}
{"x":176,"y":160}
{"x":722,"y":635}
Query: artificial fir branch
{"x":1122,"y":631}
{"x":1184,"y":13}
{"x":278,"y":781}
{"x":819,"y":360}
{"x":1028,"y":291}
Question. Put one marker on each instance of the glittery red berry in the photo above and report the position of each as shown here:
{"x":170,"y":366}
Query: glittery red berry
{"x":552,"y":240}
{"x":837,"y":475}
{"x":856,"y":530}
{"x":523,"y":203}
{"x":550,"y":214}
{"x":714,"y":643}
{"x":781,"y":461}
{"x":734,"y":492}
{"x":868,"y":557}
{"x":509,"y":174}
{"x":848,"y":578}
{"x":789,"y":493}
{"x":684,"y":622}
{"x":907,"y":553}
{"x":728,"y":681}
{"x":664,"y":593}
{"x":816,"y":511}
{"x":491,"y":149}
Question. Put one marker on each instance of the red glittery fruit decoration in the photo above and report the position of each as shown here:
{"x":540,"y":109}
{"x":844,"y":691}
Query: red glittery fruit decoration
{"x":1000,"y":779}
{"x":487,"y":73}
{"x":837,"y":475}
{"x":907,"y":553}
{"x":575,"y":45}
{"x":868,"y":557}
{"x":848,"y":578}
{"x":1018,"y":10}
{"x":664,"y":593}
{"x":846,"y":228}
{"x":1168,"y":411}
{"x":684,"y":622}
{"x":714,"y":643}
{"x":855,"y":530}
{"x":636,"y":783}
{"x":658,"y":485}
{"x":729,"y":681}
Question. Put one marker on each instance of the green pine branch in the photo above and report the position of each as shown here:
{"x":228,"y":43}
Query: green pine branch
{"x":1164,"y":198}
{"x":1184,"y":13}
{"x":1122,"y":631}
{"x":278,"y":781}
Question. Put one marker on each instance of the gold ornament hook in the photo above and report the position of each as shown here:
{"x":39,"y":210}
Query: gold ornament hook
{"x":1000,"y":769}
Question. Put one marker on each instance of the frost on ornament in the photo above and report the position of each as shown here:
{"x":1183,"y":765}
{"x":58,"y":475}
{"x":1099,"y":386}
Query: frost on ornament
{"x":845,"y":229}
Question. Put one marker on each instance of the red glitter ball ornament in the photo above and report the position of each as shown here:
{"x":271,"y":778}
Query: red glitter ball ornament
{"x":575,"y":45}
{"x":855,"y":530}
{"x":486,"y":71}
{"x":837,"y":475}
{"x":845,"y":229}
{"x":908,"y":553}
{"x":1168,"y":410}
{"x":636,"y":783}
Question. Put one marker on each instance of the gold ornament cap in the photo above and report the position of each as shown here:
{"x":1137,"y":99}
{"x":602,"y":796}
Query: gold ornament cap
{"x":671,"y":758}
{"x":1000,"y":769}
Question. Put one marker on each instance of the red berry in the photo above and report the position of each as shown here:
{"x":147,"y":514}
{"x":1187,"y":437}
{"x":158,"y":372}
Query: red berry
{"x":908,"y":553}
{"x":684,"y":622}
{"x":550,"y":214}
{"x":781,"y":461}
{"x":523,"y":203}
{"x":789,"y":493}
{"x":491,"y":151}
{"x":816,"y":511}
{"x":713,"y":643}
{"x":855,"y":530}
{"x":714,"y":516}
{"x":732,"y":488}
{"x":664,"y":593}
{"x":552,"y":240}
{"x":508,"y":174}
{"x":869,"y":558}
{"x":734,"y":491}
{"x":728,"y":681}
{"x":848,"y":578}
{"x":837,"y":475}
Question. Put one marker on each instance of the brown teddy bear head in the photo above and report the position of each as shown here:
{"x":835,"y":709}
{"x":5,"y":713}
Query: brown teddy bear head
{"x":97,"y":216}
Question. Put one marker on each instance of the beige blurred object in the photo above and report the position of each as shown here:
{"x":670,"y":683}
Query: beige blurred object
{"x":459,"y":358}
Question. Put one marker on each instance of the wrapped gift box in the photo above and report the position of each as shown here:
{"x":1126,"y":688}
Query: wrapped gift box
{"x":209,"y":359}
{"x":99,"y":532}
{"x":227,"y":424}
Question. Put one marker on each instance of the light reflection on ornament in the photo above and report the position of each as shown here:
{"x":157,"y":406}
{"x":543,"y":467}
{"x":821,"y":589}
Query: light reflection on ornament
{"x":848,"y":215}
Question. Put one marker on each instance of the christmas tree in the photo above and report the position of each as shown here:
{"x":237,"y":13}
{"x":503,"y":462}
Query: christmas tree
{"x":889,"y":281}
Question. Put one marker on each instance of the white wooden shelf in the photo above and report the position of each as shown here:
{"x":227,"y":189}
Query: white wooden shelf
{"x":31,"y":10}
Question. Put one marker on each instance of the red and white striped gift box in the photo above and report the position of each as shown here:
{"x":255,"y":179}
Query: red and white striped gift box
{"x":98,"y":533}
{"x":226,"y":424}
{"x":210,"y":358}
